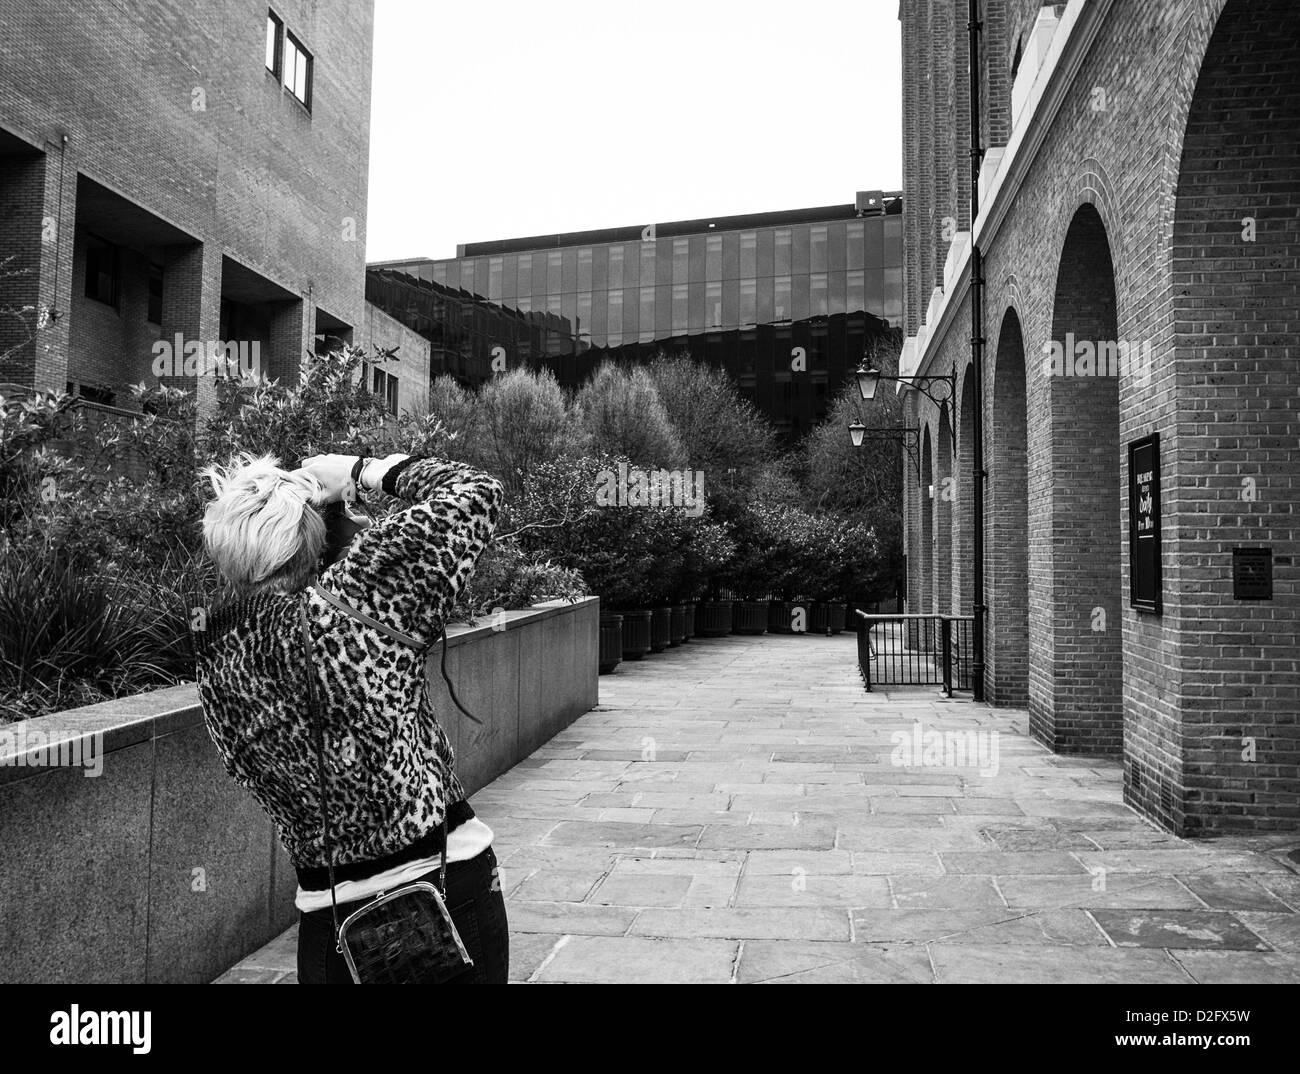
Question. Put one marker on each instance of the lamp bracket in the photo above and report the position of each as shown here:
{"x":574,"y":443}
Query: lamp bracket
{"x":909,"y":437}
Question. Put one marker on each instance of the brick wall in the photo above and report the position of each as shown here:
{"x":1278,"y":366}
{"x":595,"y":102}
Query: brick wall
{"x":22,"y":197}
{"x":1236,"y":314}
{"x":1189,"y":138}
{"x":1075,"y":478}
{"x":169,"y":106}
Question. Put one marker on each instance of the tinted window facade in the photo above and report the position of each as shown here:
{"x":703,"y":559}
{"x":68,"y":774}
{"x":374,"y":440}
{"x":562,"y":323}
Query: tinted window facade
{"x":786,"y":306}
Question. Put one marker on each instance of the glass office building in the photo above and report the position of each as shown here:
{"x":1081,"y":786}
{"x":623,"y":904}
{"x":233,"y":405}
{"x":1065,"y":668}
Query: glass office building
{"x":786,"y":302}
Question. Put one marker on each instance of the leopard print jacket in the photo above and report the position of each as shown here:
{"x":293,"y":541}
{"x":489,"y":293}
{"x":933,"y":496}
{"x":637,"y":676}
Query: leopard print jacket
{"x":391,"y":771}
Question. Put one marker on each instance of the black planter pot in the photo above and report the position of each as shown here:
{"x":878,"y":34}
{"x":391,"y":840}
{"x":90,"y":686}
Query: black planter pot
{"x":713,"y":618}
{"x":781,"y":617}
{"x":825,"y":617}
{"x":750,"y":617}
{"x":611,"y":642}
{"x":676,"y":624}
{"x":636,"y":634}
{"x":688,"y":621}
{"x":660,"y":629}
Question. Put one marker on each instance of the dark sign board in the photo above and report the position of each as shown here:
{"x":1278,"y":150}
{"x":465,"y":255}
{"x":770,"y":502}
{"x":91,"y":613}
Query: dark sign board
{"x":1252,"y":574}
{"x":1144,"y":523}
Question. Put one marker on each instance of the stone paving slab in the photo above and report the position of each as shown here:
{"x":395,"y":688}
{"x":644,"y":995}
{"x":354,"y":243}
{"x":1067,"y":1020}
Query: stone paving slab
{"x":733,"y":812}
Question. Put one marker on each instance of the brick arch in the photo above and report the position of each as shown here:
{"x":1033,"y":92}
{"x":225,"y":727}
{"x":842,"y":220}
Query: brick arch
{"x":927,"y":521}
{"x":1192,"y":46}
{"x":1075,"y":620}
{"x":941,"y":504}
{"x":1092,"y":186}
{"x":963,"y":508}
{"x":1229,"y":423}
{"x":1007,"y":517}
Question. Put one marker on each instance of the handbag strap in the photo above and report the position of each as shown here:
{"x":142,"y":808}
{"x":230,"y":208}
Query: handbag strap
{"x":404,"y":639}
{"x":318,"y":737}
{"x":370,"y":621}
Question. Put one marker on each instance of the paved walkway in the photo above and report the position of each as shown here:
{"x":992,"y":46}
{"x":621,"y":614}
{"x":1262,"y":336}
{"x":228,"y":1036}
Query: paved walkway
{"x":740,"y":809}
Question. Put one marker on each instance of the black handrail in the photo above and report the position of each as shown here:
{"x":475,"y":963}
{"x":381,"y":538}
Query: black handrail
{"x":915,"y":650}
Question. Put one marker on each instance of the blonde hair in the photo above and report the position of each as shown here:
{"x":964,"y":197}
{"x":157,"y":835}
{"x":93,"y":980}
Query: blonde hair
{"x":263,"y":531}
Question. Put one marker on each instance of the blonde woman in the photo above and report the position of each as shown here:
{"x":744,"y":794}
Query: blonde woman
{"x":390,"y":770}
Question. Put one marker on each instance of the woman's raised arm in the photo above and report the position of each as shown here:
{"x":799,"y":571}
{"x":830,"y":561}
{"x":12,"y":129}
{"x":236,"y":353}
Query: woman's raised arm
{"x":407,"y":570}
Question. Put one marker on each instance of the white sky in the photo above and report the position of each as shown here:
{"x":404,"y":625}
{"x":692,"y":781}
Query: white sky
{"x":496,"y":119}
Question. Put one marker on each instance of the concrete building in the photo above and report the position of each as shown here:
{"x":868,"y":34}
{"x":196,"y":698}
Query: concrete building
{"x":787,"y":302}
{"x":195,"y":170}
{"x":1139,"y":189}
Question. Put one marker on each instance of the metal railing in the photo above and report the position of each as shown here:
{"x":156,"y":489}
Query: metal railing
{"x":915,"y":650}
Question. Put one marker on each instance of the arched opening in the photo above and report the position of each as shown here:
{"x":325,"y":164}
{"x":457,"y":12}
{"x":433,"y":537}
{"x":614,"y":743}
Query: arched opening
{"x":1006,"y":551}
{"x":1218,"y":670}
{"x":927,"y":525}
{"x":942,"y":503}
{"x":963,"y":522}
{"x":1076,"y":652}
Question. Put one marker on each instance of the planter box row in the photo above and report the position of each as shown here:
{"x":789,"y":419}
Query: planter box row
{"x":636,"y":633}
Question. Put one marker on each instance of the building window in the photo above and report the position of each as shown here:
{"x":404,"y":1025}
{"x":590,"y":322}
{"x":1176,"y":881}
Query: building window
{"x":274,"y":39}
{"x":155,"y":294}
{"x":297,"y":70}
{"x":92,"y":393}
{"x":102,"y":271}
{"x":385,"y":387}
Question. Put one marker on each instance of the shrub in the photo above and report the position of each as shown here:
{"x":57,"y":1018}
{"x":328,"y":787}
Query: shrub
{"x":70,"y":637}
{"x":720,"y":432}
{"x":509,"y":576}
{"x":523,"y":421}
{"x":624,"y":416}
{"x":328,"y":410}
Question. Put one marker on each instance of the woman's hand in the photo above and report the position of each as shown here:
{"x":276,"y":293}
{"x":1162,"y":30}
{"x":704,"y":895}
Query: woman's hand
{"x":334,"y":472}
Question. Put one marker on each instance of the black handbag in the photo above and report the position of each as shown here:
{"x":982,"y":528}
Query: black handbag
{"x":404,"y":936}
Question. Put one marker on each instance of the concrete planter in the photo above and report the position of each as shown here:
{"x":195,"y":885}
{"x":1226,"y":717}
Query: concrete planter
{"x":636,"y":634}
{"x":660,"y":629}
{"x":676,"y":624}
{"x":750,"y":617}
{"x":713,"y":618}
{"x":162,"y":869}
{"x":611,"y":642}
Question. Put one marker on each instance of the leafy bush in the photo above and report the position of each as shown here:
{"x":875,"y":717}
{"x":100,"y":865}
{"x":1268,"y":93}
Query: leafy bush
{"x":508,"y":576}
{"x":328,"y":410}
{"x":522,"y":421}
{"x":624,"y":416}
{"x":720,"y":432}
{"x":72,"y":637}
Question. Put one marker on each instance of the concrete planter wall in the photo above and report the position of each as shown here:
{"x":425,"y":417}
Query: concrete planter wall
{"x":161,"y":869}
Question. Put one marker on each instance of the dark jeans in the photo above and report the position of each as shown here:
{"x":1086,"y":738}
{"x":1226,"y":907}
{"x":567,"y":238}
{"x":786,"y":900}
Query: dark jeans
{"x":477,"y":909}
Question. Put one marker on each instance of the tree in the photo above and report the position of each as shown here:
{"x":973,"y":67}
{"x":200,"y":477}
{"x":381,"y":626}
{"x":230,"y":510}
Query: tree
{"x":524,"y":420}
{"x":863,"y":483}
{"x":622,"y":412}
{"x":721,"y":432}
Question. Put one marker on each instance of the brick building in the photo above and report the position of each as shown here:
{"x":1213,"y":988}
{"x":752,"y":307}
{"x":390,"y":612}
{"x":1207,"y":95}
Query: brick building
{"x":1138,"y":196}
{"x":193,"y":169}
